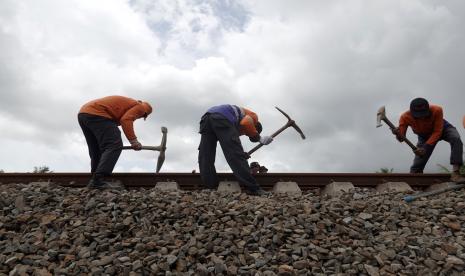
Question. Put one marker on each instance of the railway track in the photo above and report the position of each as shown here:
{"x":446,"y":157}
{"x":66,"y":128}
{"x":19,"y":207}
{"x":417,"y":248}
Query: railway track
{"x":192,"y":181}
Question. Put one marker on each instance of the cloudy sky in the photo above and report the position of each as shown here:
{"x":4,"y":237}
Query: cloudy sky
{"x":329,"y":64}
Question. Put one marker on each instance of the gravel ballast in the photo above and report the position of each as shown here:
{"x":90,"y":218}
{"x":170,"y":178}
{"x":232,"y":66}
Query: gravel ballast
{"x":53,"y":230}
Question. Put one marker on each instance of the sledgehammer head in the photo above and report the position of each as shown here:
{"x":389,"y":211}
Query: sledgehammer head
{"x":380,"y":115}
{"x":161,"y":156}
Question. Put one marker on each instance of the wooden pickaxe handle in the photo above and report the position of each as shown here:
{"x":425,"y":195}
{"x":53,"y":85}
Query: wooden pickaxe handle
{"x":289,"y":123}
{"x":156,"y":148}
{"x":272,"y":136}
{"x":393,"y":127}
{"x":161,"y":148}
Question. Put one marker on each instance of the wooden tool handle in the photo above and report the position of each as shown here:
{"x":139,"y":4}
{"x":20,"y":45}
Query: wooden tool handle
{"x":144,"y":148}
{"x":393,"y":127}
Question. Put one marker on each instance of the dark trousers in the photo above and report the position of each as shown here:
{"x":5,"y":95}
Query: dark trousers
{"x":213,"y":128}
{"x":103,"y":139}
{"x":449,"y":134}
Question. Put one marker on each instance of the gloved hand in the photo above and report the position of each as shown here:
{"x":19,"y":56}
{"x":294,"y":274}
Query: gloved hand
{"x":265,"y":140}
{"x":420,"y":151}
{"x":135,"y":144}
{"x":396,"y":132}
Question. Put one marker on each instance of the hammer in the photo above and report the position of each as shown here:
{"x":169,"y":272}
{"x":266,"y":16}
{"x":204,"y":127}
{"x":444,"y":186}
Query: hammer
{"x":161,"y":148}
{"x":290,"y":123}
{"x":381,"y":116}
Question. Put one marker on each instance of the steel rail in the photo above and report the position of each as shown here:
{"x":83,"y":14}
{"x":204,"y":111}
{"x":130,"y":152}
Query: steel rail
{"x":192,"y":181}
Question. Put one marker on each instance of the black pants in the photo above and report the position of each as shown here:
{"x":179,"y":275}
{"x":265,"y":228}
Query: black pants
{"x":103,"y":139}
{"x":213,"y":128}
{"x":449,"y":134}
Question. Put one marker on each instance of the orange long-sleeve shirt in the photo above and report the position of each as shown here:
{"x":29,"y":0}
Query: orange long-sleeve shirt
{"x":122,"y":110}
{"x":431,"y":126}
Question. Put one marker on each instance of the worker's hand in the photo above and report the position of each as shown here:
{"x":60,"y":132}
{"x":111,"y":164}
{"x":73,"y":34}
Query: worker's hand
{"x":399,"y":137}
{"x":135,"y":144}
{"x":420,"y":151}
{"x":265,"y":140}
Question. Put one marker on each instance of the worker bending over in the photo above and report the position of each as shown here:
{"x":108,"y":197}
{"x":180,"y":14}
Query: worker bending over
{"x":99,"y":121}
{"x":225,"y":123}
{"x":427,"y":121}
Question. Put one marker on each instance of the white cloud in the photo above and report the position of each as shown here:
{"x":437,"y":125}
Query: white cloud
{"x":329,"y":64}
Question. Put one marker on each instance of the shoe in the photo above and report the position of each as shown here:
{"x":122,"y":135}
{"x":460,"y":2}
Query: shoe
{"x":259,"y":192}
{"x":457,"y":178}
{"x":98,"y":183}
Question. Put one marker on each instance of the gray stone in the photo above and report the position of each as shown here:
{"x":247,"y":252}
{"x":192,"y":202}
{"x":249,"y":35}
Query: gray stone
{"x":103,"y":261}
{"x":454,"y":260}
{"x":20,"y":203}
{"x":171,"y":259}
{"x":365,"y":216}
{"x":394,"y":187}
{"x":371,"y":270}
{"x":440,"y":186}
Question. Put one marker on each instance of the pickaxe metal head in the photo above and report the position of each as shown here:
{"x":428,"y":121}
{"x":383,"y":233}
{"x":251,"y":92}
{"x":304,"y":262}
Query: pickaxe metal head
{"x":161,"y":156}
{"x":381,"y":115}
{"x":289,"y":123}
{"x":292,"y":123}
{"x":161,"y":148}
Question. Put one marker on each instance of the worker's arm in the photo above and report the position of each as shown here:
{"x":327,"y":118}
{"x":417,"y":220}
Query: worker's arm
{"x":127,"y":121}
{"x":438,"y":121}
{"x":402,"y":129}
{"x":248,"y":128}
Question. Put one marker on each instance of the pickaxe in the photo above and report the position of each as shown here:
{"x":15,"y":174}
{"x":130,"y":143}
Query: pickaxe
{"x":290,"y":123}
{"x":161,"y":148}
{"x":381,"y":116}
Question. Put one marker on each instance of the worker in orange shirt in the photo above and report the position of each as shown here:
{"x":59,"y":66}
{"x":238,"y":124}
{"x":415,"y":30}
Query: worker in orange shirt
{"x":225,"y":123}
{"x":99,"y":120}
{"x":427,"y":121}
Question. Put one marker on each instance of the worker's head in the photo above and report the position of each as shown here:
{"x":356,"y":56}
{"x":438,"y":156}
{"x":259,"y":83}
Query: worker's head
{"x":419,"y":108}
{"x":147,"y":108}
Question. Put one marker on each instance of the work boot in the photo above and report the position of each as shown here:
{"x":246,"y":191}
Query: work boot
{"x":97,"y":182}
{"x":259,"y":192}
{"x":457,"y":177}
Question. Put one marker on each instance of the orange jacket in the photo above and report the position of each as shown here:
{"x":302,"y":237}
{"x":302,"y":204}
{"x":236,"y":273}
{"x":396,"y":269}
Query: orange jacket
{"x":431,"y":126}
{"x":122,"y":110}
{"x":248,"y":122}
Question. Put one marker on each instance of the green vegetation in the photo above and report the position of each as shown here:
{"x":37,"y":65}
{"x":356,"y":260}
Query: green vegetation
{"x":446,"y":170}
{"x":385,"y":170}
{"x":42,"y":169}
{"x":443,"y":168}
